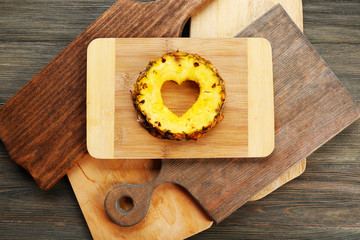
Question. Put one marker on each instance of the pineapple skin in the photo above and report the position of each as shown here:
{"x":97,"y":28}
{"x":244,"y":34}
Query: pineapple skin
{"x":156,"y":130}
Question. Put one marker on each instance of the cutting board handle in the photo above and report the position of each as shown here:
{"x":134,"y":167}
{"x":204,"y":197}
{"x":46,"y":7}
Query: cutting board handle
{"x":136,"y":198}
{"x":128,"y":204}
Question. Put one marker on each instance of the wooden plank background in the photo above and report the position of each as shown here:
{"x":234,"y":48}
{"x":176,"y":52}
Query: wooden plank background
{"x":322,"y":203}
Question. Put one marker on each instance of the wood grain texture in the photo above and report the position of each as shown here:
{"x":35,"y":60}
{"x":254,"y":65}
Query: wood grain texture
{"x":220,"y":12}
{"x":311,"y":106}
{"x":260,"y":99}
{"x":53,"y":101}
{"x":223,"y":16}
{"x":102,"y":67}
{"x":165,"y":194}
{"x":172,"y":214}
{"x":289,"y":175}
{"x":244,"y":64}
{"x":322,"y":203}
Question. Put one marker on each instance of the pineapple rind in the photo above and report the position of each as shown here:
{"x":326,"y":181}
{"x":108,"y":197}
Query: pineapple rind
{"x":206,"y":112}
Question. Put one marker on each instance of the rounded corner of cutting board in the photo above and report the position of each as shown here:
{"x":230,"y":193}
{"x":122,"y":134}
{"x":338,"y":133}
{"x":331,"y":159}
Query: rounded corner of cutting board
{"x":265,"y":42}
{"x":93,"y":151}
{"x":269,"y":147}
{"x":98,"y":42}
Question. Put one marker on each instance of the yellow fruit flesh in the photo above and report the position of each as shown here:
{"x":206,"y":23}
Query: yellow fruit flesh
{"x":180,"y":67}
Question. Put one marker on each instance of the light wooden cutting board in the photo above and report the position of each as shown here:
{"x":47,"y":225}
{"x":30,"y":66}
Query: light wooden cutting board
{"x":173,"y":214}
{"x":247,"y":129}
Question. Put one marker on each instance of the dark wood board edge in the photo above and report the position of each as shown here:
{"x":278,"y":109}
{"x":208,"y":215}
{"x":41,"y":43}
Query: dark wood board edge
{"x":350,"y":113}
{"x":43,"y":124}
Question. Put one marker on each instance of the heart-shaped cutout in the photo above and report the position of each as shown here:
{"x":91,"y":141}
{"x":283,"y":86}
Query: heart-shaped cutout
{"x":179,"y":98}
{"x":202,"y":111}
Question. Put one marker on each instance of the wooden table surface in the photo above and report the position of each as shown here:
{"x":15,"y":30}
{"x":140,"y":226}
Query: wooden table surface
{"x":324,"y":202}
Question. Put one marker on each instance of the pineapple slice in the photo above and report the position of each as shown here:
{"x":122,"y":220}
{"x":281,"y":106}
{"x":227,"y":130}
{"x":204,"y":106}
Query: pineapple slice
{"x":206,"y":112}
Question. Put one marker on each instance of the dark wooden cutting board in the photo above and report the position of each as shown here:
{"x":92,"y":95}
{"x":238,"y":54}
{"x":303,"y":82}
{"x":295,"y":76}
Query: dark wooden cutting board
{"x":43,"y":125}
{"x":311,"y":106}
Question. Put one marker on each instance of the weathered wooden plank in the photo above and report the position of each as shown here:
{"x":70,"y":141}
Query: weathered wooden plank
{"x":332,"y":21}
{"x":44,"y":230}
{"x":324,"y":202}
{"x":344,"y":60}
{"x":48,"y":213}
{"x":337,"y":159}
{"x":279,"y":232}
{"x":20,"y":61}
{"x":41,"y":20}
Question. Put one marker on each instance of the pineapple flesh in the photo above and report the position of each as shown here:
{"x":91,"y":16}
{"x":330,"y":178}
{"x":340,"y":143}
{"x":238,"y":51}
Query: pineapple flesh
{"x":206,"y":112}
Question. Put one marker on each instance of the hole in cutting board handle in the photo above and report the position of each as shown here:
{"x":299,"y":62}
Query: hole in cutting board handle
{"x":128,"y":204}
{"x":125,"y":204}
